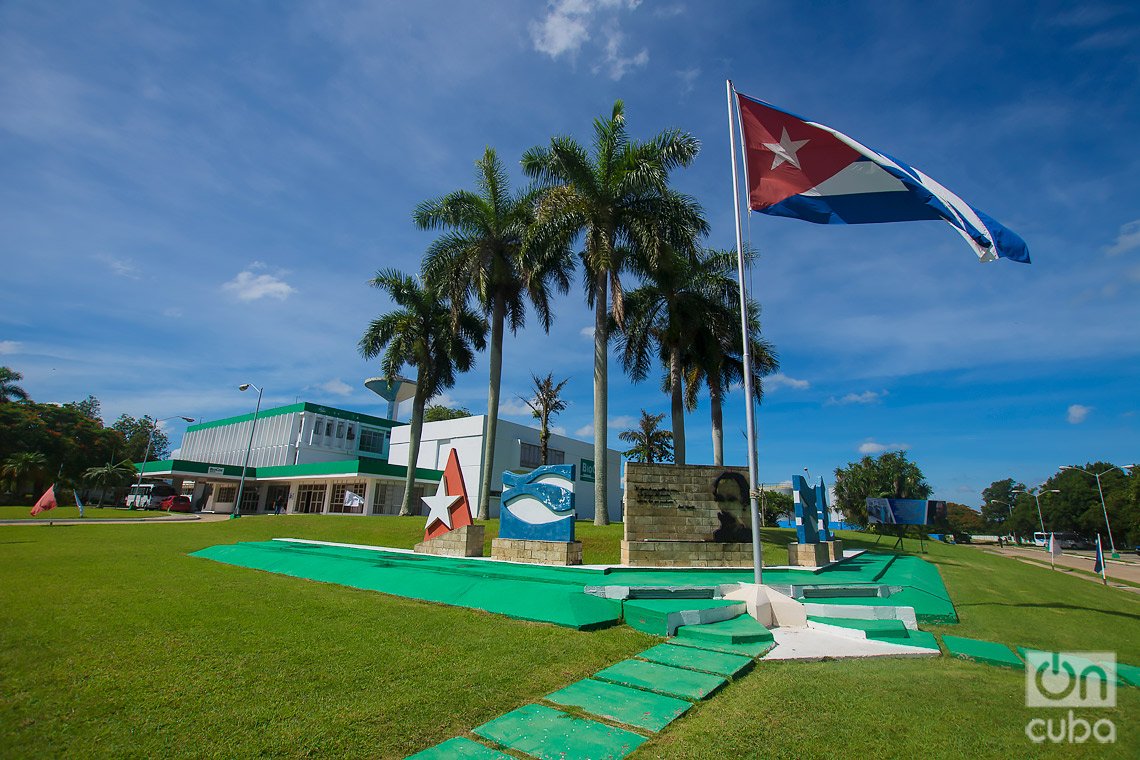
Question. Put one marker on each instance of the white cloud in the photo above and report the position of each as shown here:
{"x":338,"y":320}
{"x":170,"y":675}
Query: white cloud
{"x":558,"y":429}
{"x":248,"y":286}
{"x":780,"y":380}
{"x":172,"y":313}
{"x":566,"y":28}
{"x":866,"y":397}
{"x":586,"y":432}
{"x":337,"y":387}
{"x":10,"y":346}
{"x":869,"y":446}
{"x":1127,"y":239}
{"x":513,"y":407}
{"x":619,"y":423}
{"x":688,"y":79}
{"x":616,"y":63}
{"x":587,"y":332}
{"x":121,"y":267}
{"x":1078,"y":413}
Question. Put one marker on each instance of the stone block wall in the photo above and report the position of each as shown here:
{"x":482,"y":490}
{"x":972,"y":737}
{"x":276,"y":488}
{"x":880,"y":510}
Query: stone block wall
{"x":685,"y":554}
{"x":537,"y":552}
{"x":461,"y":542}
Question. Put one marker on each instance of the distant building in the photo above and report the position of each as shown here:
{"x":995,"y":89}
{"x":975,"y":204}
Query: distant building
{"x":320,"y":459}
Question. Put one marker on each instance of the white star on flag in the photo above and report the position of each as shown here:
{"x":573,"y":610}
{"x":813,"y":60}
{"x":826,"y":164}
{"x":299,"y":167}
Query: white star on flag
{"x":785,"y":150}
{"x":439,"y":506}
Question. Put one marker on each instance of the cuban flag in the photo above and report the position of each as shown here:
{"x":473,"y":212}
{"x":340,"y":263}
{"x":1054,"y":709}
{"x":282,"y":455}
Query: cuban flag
{"x":804,"y":170}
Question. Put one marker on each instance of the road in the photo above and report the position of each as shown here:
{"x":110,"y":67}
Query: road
{"x":1127,"y":568}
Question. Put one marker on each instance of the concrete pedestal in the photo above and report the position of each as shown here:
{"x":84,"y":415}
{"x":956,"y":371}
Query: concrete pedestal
{"x":537,"y":552}
{"x":808,"y":555}
{"x":461,"y":542}
{"x":834,"y":549}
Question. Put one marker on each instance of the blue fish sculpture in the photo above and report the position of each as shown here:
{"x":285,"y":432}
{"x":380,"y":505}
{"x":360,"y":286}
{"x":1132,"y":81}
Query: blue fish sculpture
{"x":538,"y":506}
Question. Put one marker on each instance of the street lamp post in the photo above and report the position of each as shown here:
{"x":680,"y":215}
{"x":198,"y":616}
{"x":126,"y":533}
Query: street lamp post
{"x":149,"y":441}
{"x":1100,"y":490}
{"x":1037,"y":497}
{"x":241,"y":484}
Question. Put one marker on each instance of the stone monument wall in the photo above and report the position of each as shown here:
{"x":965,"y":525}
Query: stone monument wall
{"x":691,"y":515}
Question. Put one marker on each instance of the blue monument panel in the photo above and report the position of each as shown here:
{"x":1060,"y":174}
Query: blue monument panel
{"x":807,"y":518}
{"x":538,"y":505}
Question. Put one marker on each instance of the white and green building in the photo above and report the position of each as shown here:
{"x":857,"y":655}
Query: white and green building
{"x":307,"y":455}
{"x":312,"y":457}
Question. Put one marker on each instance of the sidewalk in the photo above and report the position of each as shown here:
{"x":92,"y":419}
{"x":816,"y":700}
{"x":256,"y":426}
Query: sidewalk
{"x":1125,"y":570}
{"x":176,"y":517}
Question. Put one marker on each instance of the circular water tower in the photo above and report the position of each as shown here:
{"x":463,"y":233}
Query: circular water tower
{"x":393,"y":390}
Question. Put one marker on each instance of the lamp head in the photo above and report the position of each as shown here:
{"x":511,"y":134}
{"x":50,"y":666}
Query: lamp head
{"x":243,"y":387}
{"x":1052,"y":490}
{"x":188,"y":419}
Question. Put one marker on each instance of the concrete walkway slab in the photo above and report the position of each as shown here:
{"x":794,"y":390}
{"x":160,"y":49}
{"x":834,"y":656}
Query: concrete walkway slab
{"x":986,"y":652}
{"x":633,"y":707}
{"x":459,"y":748}
{"x":813,"y":644}
{"x":882,"y":630}
{"x":551,"y":734}
{"x":662,"y":679}
{"x":717,"y":663}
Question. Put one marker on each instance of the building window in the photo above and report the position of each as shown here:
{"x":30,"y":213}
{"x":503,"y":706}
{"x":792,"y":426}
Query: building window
{"x":328,"y":430}
{"x":249,"y":498}
{"x":530,"y":456}
{"x":372,"y":441}
{"x":310,"y":498}
{"x":225,"y":495}
{"x":390,"y":494}
{"x":340,"y":495}
{"x":340,"y":430}
{"x":352,"y":432}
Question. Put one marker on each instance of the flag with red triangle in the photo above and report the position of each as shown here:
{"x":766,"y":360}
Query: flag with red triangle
{"x":46,"y":502}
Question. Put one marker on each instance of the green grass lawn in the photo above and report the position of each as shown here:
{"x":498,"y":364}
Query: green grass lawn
{"x":113,"y":642}
{"x":72,"y":513}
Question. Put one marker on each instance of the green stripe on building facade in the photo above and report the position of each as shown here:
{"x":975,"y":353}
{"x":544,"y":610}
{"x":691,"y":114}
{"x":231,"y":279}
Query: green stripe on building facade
{"x":328,"y":411}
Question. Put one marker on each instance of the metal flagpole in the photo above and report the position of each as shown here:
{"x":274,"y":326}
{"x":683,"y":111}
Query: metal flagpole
{"x":749,"y":414}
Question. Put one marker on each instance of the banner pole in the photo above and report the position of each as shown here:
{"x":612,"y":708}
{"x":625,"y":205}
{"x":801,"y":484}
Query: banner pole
{"x":754,"y":505}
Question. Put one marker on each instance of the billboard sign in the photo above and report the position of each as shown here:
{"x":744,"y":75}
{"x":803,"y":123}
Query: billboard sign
{"x":905,"y":511}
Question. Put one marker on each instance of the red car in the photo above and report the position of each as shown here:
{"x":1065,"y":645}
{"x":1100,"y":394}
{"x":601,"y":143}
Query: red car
{"x":175,"y":504}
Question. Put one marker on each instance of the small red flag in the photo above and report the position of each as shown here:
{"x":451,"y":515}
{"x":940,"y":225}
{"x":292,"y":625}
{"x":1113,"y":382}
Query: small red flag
{"x":46,"y":502}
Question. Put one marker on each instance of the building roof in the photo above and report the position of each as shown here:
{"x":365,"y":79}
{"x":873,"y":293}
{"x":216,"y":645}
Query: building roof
{"x":355,"y":467}
{"x":304,"y":406}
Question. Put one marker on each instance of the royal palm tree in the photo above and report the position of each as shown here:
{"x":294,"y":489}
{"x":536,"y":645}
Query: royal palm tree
{"x":425,"y":331}
{"x":682,"y":296}
{"x":112,"y":473}
{"x":715,"y":358}
{"x":545,"y":404}
{"x":650,"y":443}
{"x":483,"y":255}
{"x":615,"y":200}
{"x":9,"y":391}
{"x":25,"y":465}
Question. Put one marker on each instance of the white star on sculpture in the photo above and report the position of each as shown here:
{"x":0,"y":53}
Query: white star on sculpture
{"x":439,"y":506}
{"x":785,"y":150}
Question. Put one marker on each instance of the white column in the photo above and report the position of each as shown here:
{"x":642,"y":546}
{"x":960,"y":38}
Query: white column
{"x":369,"y":495}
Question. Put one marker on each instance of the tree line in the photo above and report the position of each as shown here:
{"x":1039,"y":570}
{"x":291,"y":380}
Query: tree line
{"x":610,"y":213}
{"x":66,"y":444}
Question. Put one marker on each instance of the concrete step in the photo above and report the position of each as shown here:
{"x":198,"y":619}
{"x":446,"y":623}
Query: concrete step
{"x":662,"y":617}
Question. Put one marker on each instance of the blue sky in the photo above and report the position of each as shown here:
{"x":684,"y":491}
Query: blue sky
{"x":196,"y":194}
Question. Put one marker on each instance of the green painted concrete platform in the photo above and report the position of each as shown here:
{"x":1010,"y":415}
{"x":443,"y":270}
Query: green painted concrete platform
{"x":555,"y":594}
{"x":1129,"y":674}
{"x":662,"y":617}
{"x":717,"y":663}
{"x":633,"y":707}
{"x":459,"y":749}
{"x":739,"y":630}
{"x":551,"y":734}
{"x":986,"y":652}
{"x":662,"y":679}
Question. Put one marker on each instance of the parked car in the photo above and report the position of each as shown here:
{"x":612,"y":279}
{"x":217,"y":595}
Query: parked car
{"x":175,"y":504}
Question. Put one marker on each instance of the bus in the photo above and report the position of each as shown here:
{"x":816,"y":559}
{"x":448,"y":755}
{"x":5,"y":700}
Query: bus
{"x":148,"y":495}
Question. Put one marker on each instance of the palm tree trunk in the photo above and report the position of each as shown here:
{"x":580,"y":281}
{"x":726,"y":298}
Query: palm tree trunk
{"x":498,"y":314}
{"x":601,"y":397}
{"x":678,"y":407}
{"x":544,"y":435}
{"x":417,"y":426}
{"x":715,"y":413}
